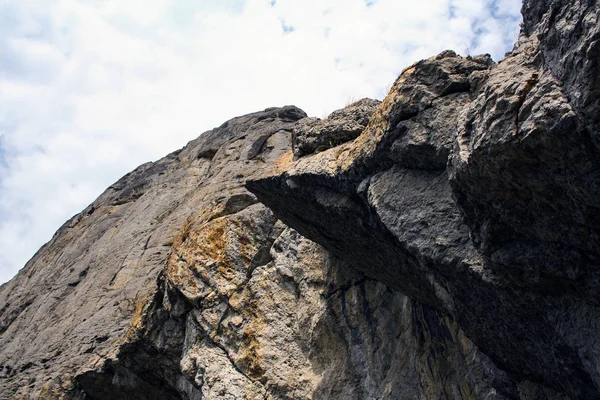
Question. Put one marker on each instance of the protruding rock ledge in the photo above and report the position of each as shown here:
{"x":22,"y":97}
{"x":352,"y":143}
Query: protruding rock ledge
{"x":472,"y":189}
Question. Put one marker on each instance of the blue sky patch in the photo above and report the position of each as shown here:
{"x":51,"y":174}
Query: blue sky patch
{"x":452,"y":11}
{"x":287,"y":28}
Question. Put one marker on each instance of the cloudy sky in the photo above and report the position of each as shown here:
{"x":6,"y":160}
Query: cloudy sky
{"x":89,"y":89}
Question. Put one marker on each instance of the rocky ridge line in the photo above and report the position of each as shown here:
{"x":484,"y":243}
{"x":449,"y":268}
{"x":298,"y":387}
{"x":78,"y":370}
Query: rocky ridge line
{"x":440,"y":245}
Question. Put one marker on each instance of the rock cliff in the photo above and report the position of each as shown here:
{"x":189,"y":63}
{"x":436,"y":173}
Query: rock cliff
{"x":441,"y":244}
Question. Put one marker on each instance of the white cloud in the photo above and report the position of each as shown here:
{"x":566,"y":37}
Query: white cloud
{"x":90,"y":89}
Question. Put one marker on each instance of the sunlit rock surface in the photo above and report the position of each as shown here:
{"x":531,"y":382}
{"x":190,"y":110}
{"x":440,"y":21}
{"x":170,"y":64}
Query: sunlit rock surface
{"x":441,"y":244}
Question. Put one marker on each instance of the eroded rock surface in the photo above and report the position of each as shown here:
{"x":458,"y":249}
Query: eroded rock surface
{"x":473,"y":189}
{"x":178,"y":283}
{"x":312,"y":135}
{"x":441,"y":244}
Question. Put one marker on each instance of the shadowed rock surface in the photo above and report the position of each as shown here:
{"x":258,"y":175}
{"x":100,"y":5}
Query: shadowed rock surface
{"x":178,"y":283}
{"x":474,"y":189}
{"x":441,"y":244}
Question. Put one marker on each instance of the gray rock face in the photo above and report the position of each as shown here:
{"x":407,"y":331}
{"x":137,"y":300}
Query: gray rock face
{"x":70,"y":321}
{"x":475,"y":192}
{"x":178,"y":283}
{"x":441,"y":244}
{"x":312,"y":135}
{"x":568,"y":37}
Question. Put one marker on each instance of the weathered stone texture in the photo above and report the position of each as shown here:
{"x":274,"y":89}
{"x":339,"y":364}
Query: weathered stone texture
{"x":441,"y":244}
{"x":216,"y":298}
{"x":312,"y":135}
{"x":475,"y":192}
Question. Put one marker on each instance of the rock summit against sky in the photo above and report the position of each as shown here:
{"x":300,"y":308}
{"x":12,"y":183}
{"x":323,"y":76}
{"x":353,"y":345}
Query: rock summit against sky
{"x":443,"y":243}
